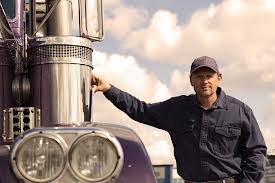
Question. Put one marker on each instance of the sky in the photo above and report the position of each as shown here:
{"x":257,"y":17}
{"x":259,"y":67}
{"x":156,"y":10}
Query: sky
{"x":149,"y":46}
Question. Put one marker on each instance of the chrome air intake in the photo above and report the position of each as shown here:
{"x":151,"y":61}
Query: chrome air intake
{"x":60,"y":69}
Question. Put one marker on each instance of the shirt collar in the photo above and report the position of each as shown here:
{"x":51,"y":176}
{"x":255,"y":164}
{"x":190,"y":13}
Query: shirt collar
{"x":220,"y":102}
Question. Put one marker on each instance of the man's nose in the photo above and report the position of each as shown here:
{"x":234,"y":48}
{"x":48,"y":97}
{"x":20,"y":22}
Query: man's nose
{"x":205,"y":80}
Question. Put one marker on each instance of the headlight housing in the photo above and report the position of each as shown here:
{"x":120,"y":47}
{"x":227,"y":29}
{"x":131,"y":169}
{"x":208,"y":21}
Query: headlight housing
{"x":64,"y":154}
{"x":39,"y":158}
{"x":95,"y":156}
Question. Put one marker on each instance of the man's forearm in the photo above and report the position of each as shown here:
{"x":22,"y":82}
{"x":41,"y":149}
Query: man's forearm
{"x":253,"y":166}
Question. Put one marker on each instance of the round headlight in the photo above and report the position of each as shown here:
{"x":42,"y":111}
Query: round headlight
{"x":94,"y":157}
{"x":39,"y":158}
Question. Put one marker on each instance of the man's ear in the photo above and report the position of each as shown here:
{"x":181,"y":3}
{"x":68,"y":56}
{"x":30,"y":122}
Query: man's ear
{"x":220,"y":76}
{"x":190,"y":78}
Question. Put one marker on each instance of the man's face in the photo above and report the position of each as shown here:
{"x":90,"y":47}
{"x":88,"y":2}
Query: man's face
{"x":205,"y":81}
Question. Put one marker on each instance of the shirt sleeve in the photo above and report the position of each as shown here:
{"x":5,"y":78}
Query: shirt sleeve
{"x":156,"y":115}
{"x":254,"y":150}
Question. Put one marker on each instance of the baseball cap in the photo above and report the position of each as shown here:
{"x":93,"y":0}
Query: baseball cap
{"x":204,"y":61}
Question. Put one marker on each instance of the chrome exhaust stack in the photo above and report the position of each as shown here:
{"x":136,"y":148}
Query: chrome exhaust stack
{"x":60,"y":70}
{"x":60,"y":20}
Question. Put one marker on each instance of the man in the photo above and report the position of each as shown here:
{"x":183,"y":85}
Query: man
{"x":216,"y":137}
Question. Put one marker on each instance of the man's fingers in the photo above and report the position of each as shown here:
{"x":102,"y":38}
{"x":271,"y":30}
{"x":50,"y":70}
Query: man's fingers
{"x":94,"y":80}
{"x":94,"y":89}
{"x":98,"y":84}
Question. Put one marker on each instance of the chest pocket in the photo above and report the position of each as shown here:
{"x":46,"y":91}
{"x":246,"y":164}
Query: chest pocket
{"x":225,"y":140}
{"x":185,"y":126}
{"x":228,"y":131}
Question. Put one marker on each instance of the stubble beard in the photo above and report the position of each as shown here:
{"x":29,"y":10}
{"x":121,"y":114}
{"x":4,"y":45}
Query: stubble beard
{"x":205,"y":93}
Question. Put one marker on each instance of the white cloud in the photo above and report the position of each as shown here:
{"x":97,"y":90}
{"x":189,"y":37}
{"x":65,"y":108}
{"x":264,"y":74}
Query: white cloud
{"x":270,"y":5}
{"x":120,"y":19}
{"x":162,"y":151}
{"x":125,"y":72}
{"x":269,"y":139}
{"x":273,"y":98}
{"x":163,"y":30}
{"x":180,"y":83}
{"x":158,"y":39}
{"x":266,"y":119}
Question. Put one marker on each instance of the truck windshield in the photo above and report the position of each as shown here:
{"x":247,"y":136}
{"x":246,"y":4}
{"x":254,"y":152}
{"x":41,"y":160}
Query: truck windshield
{"x":9,"y":7}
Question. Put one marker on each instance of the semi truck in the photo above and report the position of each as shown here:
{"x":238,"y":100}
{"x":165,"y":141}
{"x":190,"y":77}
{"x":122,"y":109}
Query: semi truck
{"x":46,"y":124}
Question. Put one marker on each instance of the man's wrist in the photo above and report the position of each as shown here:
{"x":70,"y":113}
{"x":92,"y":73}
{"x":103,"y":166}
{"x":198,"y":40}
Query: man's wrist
{"x":108,"y":88}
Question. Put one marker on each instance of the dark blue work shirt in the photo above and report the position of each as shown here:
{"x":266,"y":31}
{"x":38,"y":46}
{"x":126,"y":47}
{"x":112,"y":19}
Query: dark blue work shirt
{"x":217,"y":143}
